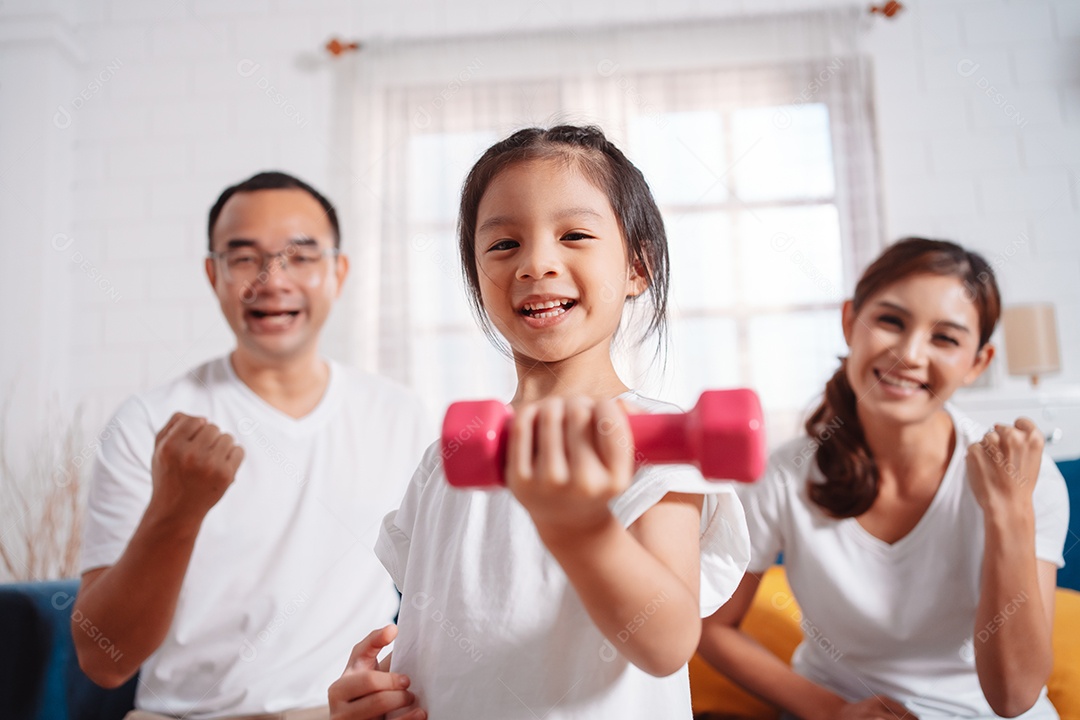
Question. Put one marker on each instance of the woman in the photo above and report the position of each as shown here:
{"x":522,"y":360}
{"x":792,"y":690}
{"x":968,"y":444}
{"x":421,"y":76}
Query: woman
{"x":922,"y":552}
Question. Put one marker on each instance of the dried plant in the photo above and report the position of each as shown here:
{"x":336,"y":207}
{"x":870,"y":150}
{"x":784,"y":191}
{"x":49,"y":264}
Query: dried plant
{"x":42,"y":500}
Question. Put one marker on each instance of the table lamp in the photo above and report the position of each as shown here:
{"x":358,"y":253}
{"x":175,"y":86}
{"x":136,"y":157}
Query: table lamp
{"x":1031,"y":340}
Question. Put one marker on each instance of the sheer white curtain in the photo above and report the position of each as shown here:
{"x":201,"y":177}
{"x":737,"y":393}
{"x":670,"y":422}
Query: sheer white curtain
{"x":755,"y":135}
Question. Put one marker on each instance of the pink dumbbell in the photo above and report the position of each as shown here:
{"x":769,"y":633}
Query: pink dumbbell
{"x":724,"y":436}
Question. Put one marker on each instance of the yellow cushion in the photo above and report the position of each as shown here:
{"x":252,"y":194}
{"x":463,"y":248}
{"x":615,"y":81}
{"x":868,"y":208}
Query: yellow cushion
{"x":1064,"y":683}
{"x":773,"y":619}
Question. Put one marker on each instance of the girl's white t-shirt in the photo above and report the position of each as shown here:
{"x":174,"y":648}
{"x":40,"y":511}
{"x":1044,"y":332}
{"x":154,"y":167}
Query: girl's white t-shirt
{"x":895,"y":619}
{"x":490,"y":626}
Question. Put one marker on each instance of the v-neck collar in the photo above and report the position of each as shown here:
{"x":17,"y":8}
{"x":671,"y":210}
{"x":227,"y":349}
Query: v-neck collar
{"x":264,"y":411}
{"x":866,"y":538}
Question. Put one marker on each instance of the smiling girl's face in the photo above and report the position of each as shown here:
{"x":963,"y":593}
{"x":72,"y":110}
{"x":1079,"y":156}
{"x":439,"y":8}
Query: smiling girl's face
{"x":911,"y":346}
{"x":552,"y":262}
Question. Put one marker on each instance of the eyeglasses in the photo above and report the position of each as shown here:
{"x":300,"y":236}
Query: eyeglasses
{"x":303,"y":264}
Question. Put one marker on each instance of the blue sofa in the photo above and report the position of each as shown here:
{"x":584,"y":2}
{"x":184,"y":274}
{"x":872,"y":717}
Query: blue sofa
{"x":40,"y":677}
{"x":1069,"y":576}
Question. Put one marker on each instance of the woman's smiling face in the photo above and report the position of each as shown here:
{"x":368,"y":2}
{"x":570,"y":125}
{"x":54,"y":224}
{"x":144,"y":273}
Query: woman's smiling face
{"x":911,"y":346}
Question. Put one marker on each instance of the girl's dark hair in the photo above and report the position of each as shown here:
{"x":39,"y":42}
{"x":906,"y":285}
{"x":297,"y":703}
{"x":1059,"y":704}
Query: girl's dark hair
{"x":843,"y":456}
{"x":271,"y":180}
{"x":587,"y":150}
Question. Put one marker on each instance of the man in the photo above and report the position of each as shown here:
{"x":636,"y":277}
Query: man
{"x":227,"y":549}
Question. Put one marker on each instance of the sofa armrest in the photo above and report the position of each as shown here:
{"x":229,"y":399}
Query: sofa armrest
{"x":40,"y":677}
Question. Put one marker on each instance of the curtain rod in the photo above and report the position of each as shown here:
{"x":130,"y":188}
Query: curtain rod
{"x":337,"y":47}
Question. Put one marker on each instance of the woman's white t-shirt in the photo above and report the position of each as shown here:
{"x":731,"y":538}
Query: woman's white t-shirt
{"x":490,"y":626}
{"x":895,"y":619}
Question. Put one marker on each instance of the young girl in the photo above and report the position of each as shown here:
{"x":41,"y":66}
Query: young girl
{"x":576,"y":591}
{"x":921,"y":550}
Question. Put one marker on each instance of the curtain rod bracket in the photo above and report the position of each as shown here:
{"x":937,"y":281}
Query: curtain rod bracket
{"x":889,"y":9}
{"x":338,"y":48}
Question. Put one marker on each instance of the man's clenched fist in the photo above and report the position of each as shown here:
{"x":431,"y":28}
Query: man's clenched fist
{"x":194,"y":464}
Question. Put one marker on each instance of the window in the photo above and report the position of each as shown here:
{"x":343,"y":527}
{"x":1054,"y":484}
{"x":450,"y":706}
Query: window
{"x":442,"y":324}
{"x":764,"y":173}
{"x":749,"y":201}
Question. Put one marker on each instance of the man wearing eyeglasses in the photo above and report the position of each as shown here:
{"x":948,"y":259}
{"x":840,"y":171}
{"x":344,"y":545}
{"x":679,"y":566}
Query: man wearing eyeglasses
{"x":227,"y":547}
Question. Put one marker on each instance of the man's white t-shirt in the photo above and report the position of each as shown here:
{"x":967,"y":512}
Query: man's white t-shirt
{"x":282,"y":580}
{"x":490,"y":626}
{"x":895,"y":619}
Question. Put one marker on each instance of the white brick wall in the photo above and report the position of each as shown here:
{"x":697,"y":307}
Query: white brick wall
{"x":1006,"y":25}
{"x":1015,"y":147}
{"x":960,"y":153}
{"x":977,"y":101}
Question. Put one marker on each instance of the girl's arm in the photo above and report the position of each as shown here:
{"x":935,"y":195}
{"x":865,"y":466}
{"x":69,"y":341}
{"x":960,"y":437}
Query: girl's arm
{"x":1013,"y":653}
{"x":566,"y":459}
{"x":640,"y":586}
{"x":754,"y":668}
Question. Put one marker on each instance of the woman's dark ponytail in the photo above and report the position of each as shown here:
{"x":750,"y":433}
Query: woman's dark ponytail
{"x":842,"y":452}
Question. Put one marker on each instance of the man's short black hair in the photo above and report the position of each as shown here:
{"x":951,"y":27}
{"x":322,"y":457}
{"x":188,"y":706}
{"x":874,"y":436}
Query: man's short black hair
{"x":271,"y":180}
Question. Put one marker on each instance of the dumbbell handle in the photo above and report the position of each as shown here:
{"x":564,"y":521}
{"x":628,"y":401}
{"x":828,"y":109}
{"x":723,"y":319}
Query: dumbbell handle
{"x":662,"y":438}
{"x":724,"y":436}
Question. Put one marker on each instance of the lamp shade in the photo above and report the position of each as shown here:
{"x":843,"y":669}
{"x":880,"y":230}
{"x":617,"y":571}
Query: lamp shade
{"x":1031,"y":340}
